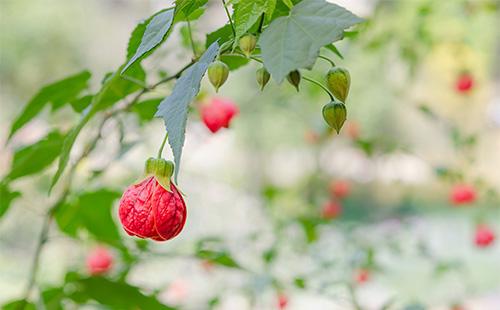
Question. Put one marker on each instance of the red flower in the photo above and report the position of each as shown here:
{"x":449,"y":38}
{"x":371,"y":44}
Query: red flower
{"x":340,"y":188}
{"x":484,"y":236}
{"x":218,"y":113}
{"x":147,"y":210}
{"x":282,"y":301}
{"x":361,"y":276}
{"x":331,"y":210}
{"x":99,"y":261}
{"x":462,"y":194}
{"x":464,"y":83}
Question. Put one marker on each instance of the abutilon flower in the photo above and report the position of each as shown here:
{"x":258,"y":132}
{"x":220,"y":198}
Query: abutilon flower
{"x":464,"y":83}
{"x":218,"y":113}
{"x":153,"y":208}
{"x":462,"y":194}
{"x":340,"y":188}
{"x":484,"y":236}
{"x":331,"y":209}
{"x":99,"y":261}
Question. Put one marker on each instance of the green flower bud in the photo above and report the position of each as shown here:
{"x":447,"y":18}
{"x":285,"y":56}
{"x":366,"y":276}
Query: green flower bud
{"x":262,"y":77}
{"x":335,"y":114}
{"x":218,"y":73}
{"x":294,"y":78}
{"x":247,"y":44}
{"x":161,"y":169}
{"x":338,"y":81}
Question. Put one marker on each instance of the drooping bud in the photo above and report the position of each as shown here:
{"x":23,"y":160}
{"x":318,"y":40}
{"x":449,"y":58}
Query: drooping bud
{"x":294,"y":78}
{"x":338,"y":81}
{"x":247,"y":44}
{"x":262,"y":77}
{"x":218,"y":73}
{"x":335,"y":114}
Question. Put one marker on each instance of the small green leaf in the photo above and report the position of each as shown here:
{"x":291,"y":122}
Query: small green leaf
{"x":173,"y":109}
{"x":334,"y":49}
{"x":19,"y":304}
{"x":115,"y":88}
{"x":188,"y":9}
{"x":6,"y":197}
{"x":57,"y":94}
{"x":221,"y":35}
{"x":248,"y":12}
{"x":91,"y":212}
{"x":292,"y":42}
{"x":34,"y":158}
{"x":52,"y":298}
{"x":153,"y":35}
{"x":299,"y":282}
{"x":82,"y":103}
{"x":218,"y":257}
{"x":116,"y":295}
{"x":288,"y":3}
{"x":146,"y":109}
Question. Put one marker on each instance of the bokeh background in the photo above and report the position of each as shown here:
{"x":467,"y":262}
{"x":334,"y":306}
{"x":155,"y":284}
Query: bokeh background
{"x":258,"y":184}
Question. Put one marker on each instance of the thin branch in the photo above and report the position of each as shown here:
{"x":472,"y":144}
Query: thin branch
{"x":229,"y":17}
{"x":191,"y":41}
{"x":320,"y":85}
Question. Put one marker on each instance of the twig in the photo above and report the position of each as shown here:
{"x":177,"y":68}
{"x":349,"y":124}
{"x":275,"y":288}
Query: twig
{"x":229,"y":17}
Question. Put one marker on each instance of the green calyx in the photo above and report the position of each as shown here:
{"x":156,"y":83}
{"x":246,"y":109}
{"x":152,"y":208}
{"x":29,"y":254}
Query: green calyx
{"x":335,"y":114}
{"x":338,"y":81}
{"x":218,"y":73}
{"x":247,"y":44}
{"x":262,"y":77}
{"x":161,"y":169}
{"x":294,"y":78}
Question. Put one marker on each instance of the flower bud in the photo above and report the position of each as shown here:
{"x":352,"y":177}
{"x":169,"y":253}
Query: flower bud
{"x":335,"y":114}
{"x":262,"y":77}
{"x":338,"y":81}
{"x":294,"y":78}
{"x":247,"y":44}
{"x":218,"y":73}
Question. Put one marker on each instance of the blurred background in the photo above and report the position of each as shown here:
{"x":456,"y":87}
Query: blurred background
{"x":423,"y":119}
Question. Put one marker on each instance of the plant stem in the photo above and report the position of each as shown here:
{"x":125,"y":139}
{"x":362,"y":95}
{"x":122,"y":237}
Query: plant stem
{"x":229,"y":17}
{"x":327,"y":59}
{"x":261,"y":23}
{"x":320,"y":85}
{"x":191,"y":39}
{"x":162,"y":145}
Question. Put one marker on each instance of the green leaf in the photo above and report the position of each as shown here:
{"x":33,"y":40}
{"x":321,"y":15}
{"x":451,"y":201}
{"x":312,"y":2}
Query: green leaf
{"x":288,"y":3}
{"x":173,"y":109}
{"x":57,"y":94}
{"x":34,"y":158}
{"x":218,"y":257}
{"x":52,"y":298}
{"x":91,"y":212}
{"x":115,"y":88}
{"x":334,"y":49}
{"x":19,"y":304}
{"x":248,"y":12}
{"x":221,"y":35}
{"x":153,"y":35}
{"x":187,"y":8}
{"x":292,"y":42}
{"x":146,"y":109}
{"x":82,"y":103}
{"x":234,"y":61}
{"x":6,"y":197}
{"x":116,"y":295}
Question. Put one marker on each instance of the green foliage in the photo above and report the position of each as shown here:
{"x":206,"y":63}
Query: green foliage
{"x":174,"y":108}
{"x":153,"y":35}
{"x":6,"y":197}
{"x":34,"y":158}
{"x":293,"y":42}
{"x":146,"y":109}
{"x":90,"y":212}
{"x":57,"y":94}
{"x":116,"y":295}
{"x":114,"y":88}
{"x":248,"y":12}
